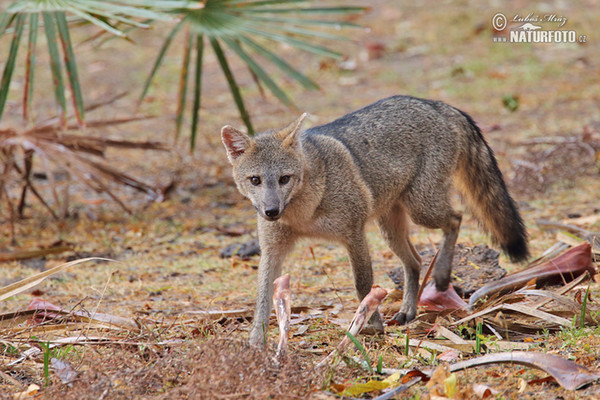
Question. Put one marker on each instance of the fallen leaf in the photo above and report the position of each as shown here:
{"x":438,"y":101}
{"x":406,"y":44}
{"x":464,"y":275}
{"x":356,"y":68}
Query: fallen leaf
{"x":483,"y":391}
{"x":433,"y":300}
{"x":568,"y":374}
{"x":369,"y":386}
{"x":448,"y":356}
{"x":63,"y":370}
{"x":282,"y":303}
{"x":31,"y":391}
{"x":564,"y":268}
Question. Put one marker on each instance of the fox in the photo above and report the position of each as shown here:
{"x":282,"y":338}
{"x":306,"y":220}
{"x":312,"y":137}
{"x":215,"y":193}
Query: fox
{"x":393,"y":161}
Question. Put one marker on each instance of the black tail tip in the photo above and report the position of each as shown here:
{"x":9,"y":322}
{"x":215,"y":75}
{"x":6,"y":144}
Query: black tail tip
{"x":517,"y":250}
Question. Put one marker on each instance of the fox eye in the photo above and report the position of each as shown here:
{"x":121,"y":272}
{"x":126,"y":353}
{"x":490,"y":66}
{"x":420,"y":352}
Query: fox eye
{"x":284,"y":179}
{"x":255,"y":180}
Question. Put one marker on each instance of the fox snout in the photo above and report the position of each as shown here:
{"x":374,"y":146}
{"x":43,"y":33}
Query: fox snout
{"x":272,"y":213}
{"x":270,"y":210}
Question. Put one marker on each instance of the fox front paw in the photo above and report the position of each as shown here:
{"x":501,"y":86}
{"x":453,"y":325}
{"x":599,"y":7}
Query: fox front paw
{"x":404,"y":317}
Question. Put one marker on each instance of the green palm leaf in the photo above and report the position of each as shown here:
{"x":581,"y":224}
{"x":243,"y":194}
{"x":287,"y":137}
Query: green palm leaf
{"x":29,"y":65}
{"x":55,"y":66}
{"x":10,"y":63}
{"x":197,"y":89}
{"x":56,"y":16}
{"x":243,"y":26}
{"x":235,"y":89}
{"x":183,"y":80}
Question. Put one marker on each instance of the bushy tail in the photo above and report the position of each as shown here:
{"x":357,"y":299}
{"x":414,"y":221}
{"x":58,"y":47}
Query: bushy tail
{"x":480,"y":182}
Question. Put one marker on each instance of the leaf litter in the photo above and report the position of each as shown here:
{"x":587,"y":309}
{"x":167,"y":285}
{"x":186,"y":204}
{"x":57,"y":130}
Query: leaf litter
{"x":188,"y":344}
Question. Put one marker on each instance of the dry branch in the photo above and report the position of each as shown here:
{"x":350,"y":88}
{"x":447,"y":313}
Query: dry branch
{"x":282,"y":302}
{"x":365,"y":310}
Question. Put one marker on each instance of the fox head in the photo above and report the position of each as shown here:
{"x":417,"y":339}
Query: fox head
{"x":268,"y":168}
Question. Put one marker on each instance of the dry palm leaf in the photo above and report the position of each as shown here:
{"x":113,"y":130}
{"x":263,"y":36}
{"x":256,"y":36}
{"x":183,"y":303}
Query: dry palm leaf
{"x":564,"y":268}
{"x":80,"y":156}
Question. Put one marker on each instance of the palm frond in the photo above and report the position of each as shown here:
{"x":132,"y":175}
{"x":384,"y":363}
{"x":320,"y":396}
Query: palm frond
{"x":29,"y":65}
{"x":197,"y":88}
{"x":57,"y":14}
{"x":243,"y":26}
{"x":10,"y":62}
{"x":233,"y":86}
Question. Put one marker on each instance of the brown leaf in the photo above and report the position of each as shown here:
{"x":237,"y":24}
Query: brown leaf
{"x":562,"y":269}
{"x":433,"y":300}
{"x":64,"y":370}
{"x":568,"y":374}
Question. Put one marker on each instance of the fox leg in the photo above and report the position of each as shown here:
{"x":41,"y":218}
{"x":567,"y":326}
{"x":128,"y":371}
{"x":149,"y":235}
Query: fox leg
{"x":275,"y":244}
{"x":360,"y":259}
{"x":429,"y":207}
{"x":395,"y":230}
{"x":443,"y":265}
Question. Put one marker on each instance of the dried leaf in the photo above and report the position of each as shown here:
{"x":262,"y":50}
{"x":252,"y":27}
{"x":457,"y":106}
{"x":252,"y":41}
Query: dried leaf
{"x":433,"y":300}
{"x":31,"y":391}
{"x":369,"y":386}
{"x":27,"y":254}
{"x":40,"y":304}
{"x":64,"y":370}
{"x":483,"y":391}
{"x":564,"y":268}
{"x":282,"y":302}
{"x":568,"y":374}
{"x":22,"y":285}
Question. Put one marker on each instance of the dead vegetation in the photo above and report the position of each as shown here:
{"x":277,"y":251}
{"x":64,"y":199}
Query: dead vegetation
{"x":170,"y":319}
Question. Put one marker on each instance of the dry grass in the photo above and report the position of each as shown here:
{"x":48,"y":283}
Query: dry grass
{"x":169,"y":252}
{"x":203,"y":368}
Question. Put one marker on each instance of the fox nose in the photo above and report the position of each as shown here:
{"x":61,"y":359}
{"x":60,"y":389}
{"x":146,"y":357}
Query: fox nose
{"x":272,"y":212}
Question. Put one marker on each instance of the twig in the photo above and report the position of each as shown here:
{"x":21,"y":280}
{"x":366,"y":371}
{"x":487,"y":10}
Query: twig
{"x":365,"y":310}
{"x":282,"y":300}
{"x":426,"y":277}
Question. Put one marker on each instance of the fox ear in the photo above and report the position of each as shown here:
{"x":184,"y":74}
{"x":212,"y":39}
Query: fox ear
{"x":236,"y":142}
{"x":290,"y":133}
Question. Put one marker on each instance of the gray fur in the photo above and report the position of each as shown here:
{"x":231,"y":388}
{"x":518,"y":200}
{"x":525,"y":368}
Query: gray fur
{"x":393,"y":160}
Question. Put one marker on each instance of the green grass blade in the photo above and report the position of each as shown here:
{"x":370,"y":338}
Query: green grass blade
{"x":10,"y":62}
{"x":362,"y":350}
{"x":258,"y":71}
{"x":71,"y":67}
{"x":280,"y":63}
{"x":197,"y":90}
{"x":584,"y":306}
{"x":30,"y":65}
{"x":235,"y":90}
{"x":183,"y":82}
{"x":57,"y":79}
{"x":159,"y":59}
